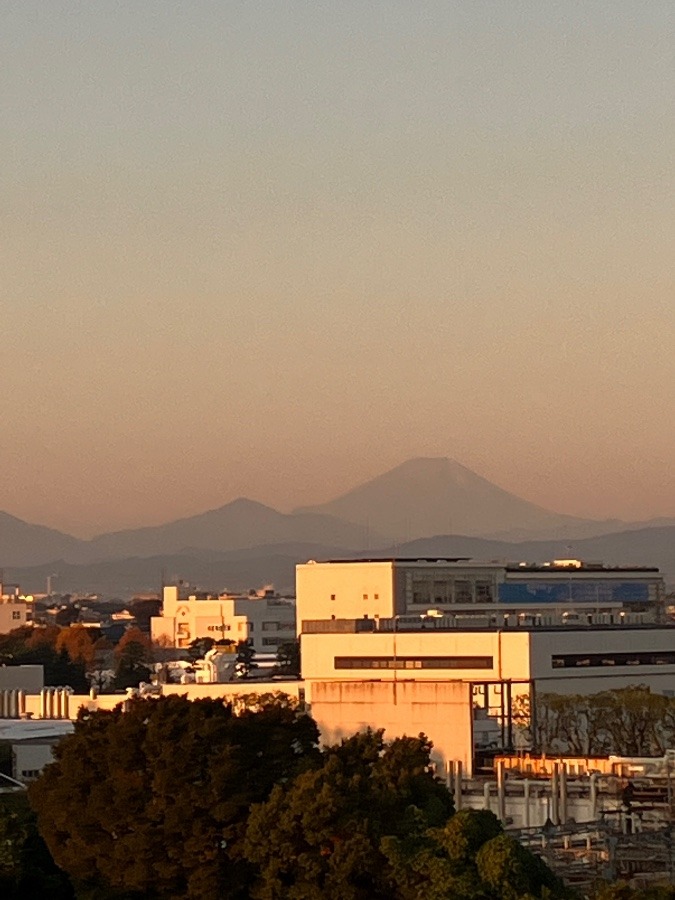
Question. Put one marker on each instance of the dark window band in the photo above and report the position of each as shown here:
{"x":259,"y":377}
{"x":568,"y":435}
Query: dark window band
{"x":602,"y":660}
{"x":413,"y":662}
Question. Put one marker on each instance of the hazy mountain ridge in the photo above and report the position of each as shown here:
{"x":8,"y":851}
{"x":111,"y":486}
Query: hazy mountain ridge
{"x":252,"y":567}
{"x":418,"y":499}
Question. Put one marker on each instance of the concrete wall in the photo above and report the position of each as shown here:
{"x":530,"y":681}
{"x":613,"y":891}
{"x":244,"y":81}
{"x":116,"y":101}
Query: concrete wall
{"x":344,"y":590}
{"x":509,"y":651}
{"x":22,"y":678}
{"x":591,"y":679}
{"x":442,"y":711}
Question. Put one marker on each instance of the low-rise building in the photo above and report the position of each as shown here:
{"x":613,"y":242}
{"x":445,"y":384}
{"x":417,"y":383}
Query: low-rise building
{"x":264,"y":620}
{"x":16,"y":609}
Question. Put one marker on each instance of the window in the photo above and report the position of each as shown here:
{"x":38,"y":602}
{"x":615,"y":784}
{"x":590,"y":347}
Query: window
{"x":272,"y":641}
{"x":601,"y":660}
{"x":16,"y":615}
{"x":376,"y":596}
{"x":463,"y":592}
{"x":365,"y":596}
{"x":30,"y":773}
{"x":483,"y":592}
{"x":332,"y":596}
{"x":411,"y":662}
{"x":270,"y":626}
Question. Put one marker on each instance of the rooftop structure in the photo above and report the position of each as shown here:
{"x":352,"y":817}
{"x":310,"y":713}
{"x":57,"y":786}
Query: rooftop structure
{"x":382,"y":588}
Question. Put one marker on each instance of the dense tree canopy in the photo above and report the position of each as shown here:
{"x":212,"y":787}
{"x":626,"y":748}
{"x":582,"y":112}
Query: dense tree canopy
{"x":26,"y":868}
{"x":152,"y":802}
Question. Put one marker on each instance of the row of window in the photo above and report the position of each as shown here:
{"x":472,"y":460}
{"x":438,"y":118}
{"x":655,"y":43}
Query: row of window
{"x":601,"y":660}
{"x":413,"y":662}
{"x":427,"y":592}
{"x":266,"y":626}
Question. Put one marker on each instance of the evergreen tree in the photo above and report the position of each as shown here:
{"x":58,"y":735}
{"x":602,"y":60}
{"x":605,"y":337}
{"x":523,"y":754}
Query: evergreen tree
{"x":153,"y":802}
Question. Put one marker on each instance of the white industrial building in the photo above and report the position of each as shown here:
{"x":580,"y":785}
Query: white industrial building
{"x":559,"y":660}
{"x":447,"y":647}
{"x":264,"y":620}
{"x":489,"y":592}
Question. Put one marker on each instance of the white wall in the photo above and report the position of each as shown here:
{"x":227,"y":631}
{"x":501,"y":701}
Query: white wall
{"x":591,"y":679}
{"x":13,"y":614}
{"x":344,"y":590}
{"x":509,"y":652}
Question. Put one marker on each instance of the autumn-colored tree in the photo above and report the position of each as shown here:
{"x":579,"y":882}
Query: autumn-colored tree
{"x":153,"y":802}
{"x":133,"y":654}
{"x":78,"y":644}
{"x":133,"y":636}
{"x":23,"y":647}
{"x":43,"y":635}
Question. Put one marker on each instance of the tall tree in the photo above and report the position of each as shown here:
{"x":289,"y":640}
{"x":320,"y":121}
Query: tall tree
{"x":78,"y":644}
{"x":153,"y":801}
{"x":320,"y":836}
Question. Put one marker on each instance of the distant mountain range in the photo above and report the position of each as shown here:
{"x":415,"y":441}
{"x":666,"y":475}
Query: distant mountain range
{"x":275,"y":563}
{"x":413,"y":509}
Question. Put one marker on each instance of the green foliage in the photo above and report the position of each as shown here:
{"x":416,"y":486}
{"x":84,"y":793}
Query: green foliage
{"x":200,"y":647}
{"x":321,"y":835}
{"x":153,"y":802}
{"x":288,"y":659}
{"x":133,"y":655}
{"x":27,"y":869}
{"x":511,"y":872}
{"x":466,"y":833}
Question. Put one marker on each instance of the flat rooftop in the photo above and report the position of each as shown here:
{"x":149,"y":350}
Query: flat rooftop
{"x":386,"y":626}
{"x":579,"y":567}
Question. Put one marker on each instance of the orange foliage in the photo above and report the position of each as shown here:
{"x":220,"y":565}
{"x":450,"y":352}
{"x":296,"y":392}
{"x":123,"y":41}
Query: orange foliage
{"x":76,"y":641}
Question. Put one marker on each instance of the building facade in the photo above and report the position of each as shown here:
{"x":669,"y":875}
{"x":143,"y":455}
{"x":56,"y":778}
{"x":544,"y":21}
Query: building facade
{"x":16,"y":610}
{"x":264,"y":620}
{"x":489,"y":592}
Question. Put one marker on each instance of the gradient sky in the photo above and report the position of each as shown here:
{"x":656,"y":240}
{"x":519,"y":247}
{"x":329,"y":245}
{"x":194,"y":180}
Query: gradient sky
{"x":274,"y":248}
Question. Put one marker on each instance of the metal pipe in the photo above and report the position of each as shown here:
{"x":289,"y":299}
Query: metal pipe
{"x":555,"y":815}
{"x":501,"y":791}
{"x":526,"y":802}
{"x":563,"y":794}
{"x":593,"y":796}
{"x":458,"y":785}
